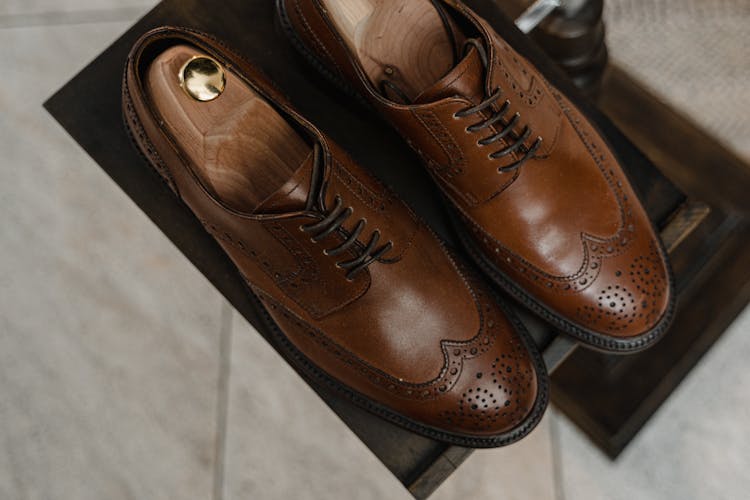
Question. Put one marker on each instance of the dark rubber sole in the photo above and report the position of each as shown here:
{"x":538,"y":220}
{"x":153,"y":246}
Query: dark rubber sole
{"x":318,"y":378}
{"x":595,"y":340}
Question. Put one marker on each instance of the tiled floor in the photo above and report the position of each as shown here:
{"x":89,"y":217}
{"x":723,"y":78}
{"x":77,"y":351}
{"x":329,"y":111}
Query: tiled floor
{"x":123,"y":374}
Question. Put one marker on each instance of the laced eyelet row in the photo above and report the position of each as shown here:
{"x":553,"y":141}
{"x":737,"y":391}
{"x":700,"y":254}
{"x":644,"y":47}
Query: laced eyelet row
{"x":332,"y":223}
{"x":516,"y":142}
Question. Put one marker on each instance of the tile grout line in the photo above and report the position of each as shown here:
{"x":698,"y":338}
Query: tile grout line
{"x":62,"y":18}
{"x":557,"y":465}
{"x":222,"y":400}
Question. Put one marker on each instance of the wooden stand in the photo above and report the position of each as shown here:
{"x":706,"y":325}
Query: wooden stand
{"x":612,"y":397}
{"x":704,"y":231}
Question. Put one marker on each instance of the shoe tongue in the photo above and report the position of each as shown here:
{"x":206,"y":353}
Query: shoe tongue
{"x":465,"y":80}
{"x":293,"y":195}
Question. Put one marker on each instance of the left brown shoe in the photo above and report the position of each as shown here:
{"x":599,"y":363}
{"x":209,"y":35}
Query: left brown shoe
{"x":360,"y":294}
{"x":538,"y":195}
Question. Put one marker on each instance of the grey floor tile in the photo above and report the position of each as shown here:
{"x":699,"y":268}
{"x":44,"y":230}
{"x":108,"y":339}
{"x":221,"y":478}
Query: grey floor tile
{"x":109,"y":339}
{"x":284,"y":443}
{"x":108,"y":336}
{"x":26,"y":7}
{"x":696,"y":447}
{"x":692,"y":53}
{"x":521,"y":471}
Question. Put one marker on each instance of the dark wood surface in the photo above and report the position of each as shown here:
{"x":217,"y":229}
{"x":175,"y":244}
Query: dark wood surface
{"x":612,"y":397}
{"x":89,"y":108}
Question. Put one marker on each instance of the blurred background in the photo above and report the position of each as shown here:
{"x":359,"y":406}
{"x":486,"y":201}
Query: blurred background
{"x":124,"y":374}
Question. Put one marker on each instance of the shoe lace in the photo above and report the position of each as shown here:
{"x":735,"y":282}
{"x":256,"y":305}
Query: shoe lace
{"x":516,"y":142}
{"x":334,"y":221}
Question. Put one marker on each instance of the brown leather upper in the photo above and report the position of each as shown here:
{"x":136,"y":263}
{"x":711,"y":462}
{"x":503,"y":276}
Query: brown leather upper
{"x":566,"y":226}
{"x":413,"y":332}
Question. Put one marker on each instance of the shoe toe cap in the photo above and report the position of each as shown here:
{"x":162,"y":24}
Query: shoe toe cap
{"x":631,"y":298}
{"x":499,"y":393}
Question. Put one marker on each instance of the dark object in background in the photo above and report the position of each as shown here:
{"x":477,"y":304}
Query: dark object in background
{"x":574,"y":37}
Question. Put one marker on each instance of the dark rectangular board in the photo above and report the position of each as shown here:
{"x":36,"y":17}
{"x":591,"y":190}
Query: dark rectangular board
{"x":89,"y":108}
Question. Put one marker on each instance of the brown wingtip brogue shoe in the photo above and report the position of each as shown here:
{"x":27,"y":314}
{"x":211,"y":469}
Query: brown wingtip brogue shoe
{"x":538,"y":196}
{"x":359,"y":293}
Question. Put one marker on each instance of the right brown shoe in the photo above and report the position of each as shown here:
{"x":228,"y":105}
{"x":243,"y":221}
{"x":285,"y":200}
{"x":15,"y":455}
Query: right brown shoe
{"x":536,"y":193}
{"x":358,"y":292}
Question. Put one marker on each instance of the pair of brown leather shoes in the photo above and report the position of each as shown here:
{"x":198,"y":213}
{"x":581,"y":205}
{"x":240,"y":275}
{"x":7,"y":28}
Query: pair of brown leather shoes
{"x":358,"y":290}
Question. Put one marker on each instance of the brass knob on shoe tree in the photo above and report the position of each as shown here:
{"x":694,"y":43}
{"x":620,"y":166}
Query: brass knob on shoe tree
{"x":202,"y":78}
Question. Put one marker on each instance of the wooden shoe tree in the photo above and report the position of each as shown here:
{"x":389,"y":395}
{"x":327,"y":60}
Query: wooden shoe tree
{"x":402,"y":41}
{"x":239,"y":146}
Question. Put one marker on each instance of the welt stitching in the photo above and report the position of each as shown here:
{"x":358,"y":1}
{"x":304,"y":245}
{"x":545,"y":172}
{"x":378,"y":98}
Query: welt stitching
{"x":468,"y":197}
{"x":316,"y":39}
{"x":294,"y":252}
{"x":296,"y":295}
{"x":372,"y":198}
{"x":515,"y":84}
{"x":150,"y":150}
{"x":455,"y":165}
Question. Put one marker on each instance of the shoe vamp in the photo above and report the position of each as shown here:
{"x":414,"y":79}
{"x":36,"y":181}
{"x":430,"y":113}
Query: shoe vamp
{"x":411,"y":307}
{"x":555,"y":201}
